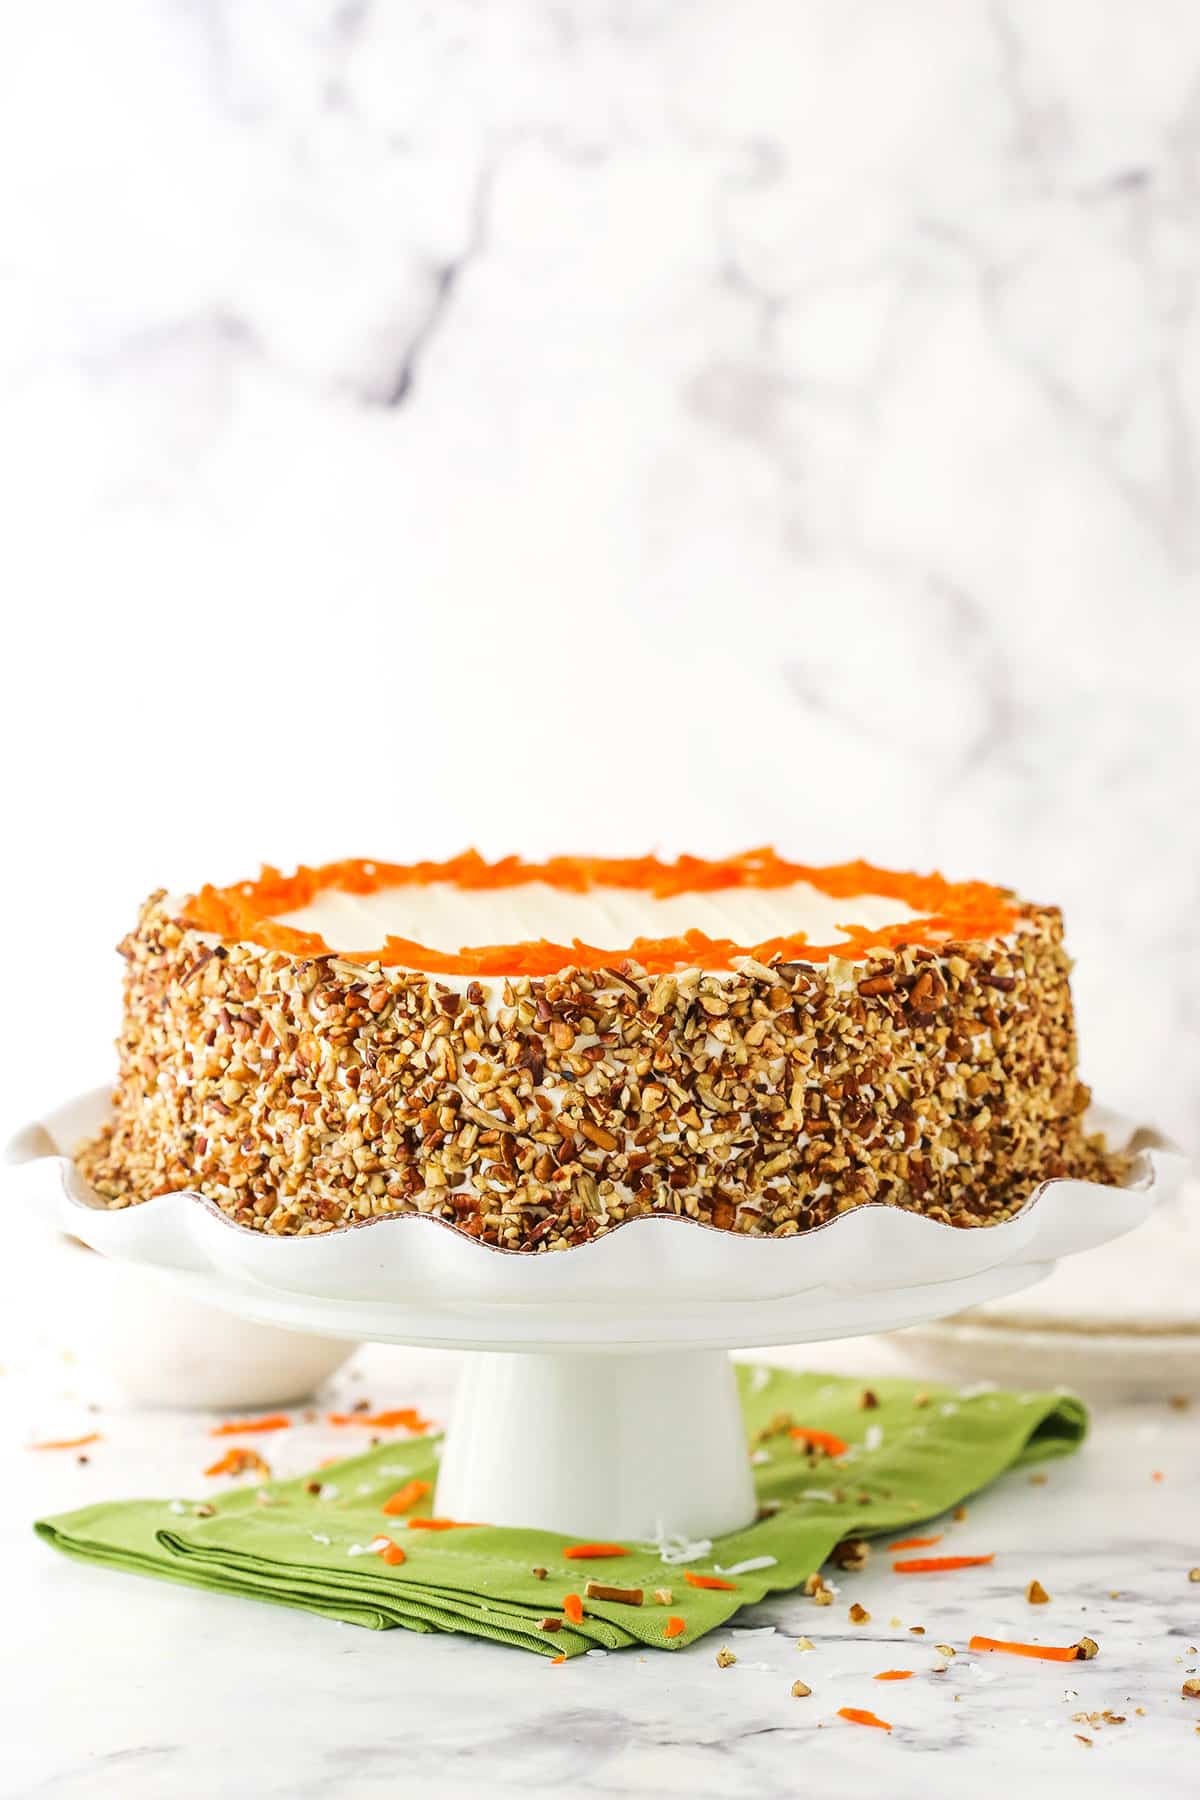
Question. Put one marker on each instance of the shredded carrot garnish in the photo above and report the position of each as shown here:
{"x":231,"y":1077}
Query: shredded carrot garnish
{"x":857,"y":1715}
{"x":249,"y":911}
{"x":573,"y":1609}
{"x":820,"y":1440}
{"x":915,"y":1543}
{"x":441,"y":1524}
{"x":674,"y":1627}
{"x":390,"y":1553}
{"x":1041,"y":1652}
{"x":406,"y":1497}
{"x":383,"y":1421}
{"x":1156,"y":1474}
{"x":894,"y":1675}
{"x":240,"y":1462}
{"x":561,"y":1657}
{"x":91,"y":1437}
{"x":932,"y":1565}
{"x":581,"y":1551}
{"x":237,"y":1427}
{"x":709,"y":1581}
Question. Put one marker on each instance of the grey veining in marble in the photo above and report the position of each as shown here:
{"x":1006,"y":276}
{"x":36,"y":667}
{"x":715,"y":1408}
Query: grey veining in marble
{"x":834,"y":366}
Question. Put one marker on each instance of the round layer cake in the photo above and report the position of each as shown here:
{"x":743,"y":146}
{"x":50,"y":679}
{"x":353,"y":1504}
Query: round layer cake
{"x":752,"y":1044}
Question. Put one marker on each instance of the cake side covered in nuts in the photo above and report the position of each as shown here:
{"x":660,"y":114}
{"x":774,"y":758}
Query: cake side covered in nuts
{"x":302,"y":1092}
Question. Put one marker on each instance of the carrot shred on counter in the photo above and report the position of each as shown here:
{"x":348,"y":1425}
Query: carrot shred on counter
{"x":915,"y":1543}
{"x":561,"y":1657}
{"x":1041,"y":1652}
{"x":573,"y":1609}
{"x":383,"y":1421}
{"x":237,"y":1427}
{"x":441,"y":1524}
{"x":91,"y":1437}
{"x":240,"y":1462}
{"x":579,"y":1552}
{"x":406,"y":1497}
{"x":858,"y":1715}
{"x":894,"y":1675}
{"x":674,"y":1627}
{"x":391,"y":1553}
{"x":820,"y":1440}
{"x":709,"y":1581}
{"x":933,"y":1565}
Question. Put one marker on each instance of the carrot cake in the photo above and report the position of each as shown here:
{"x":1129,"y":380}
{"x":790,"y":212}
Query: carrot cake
{"x":753,"y":1044}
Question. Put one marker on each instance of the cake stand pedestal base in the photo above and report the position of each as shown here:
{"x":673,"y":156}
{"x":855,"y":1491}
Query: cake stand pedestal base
{"x":599,"y":1446}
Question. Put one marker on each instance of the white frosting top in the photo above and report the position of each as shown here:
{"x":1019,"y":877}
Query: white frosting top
{"x":446,"y":917}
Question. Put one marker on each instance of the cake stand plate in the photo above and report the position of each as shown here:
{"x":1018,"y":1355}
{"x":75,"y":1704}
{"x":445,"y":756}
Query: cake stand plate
{"x":598,"y":1399}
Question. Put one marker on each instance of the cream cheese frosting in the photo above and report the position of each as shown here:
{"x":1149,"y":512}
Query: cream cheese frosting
{"x":442,"y":914}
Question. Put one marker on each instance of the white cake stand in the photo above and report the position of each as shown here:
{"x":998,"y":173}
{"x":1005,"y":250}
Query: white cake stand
{"x":598,"y":1399}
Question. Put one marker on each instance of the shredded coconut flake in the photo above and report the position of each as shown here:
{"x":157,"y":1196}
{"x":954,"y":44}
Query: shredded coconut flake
{"x":318,"y":1537}
{"x":747,"y":1568}
{"x":673,"y":1547}
{"x":873,"y":1440}
{"x":759,"y":1378}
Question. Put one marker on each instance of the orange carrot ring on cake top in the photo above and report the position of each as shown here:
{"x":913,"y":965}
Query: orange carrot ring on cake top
{"x":248,"y":911}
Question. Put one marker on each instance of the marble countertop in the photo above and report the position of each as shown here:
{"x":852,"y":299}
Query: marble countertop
{"x":114,"y":1684}
{"x":693,"y":425}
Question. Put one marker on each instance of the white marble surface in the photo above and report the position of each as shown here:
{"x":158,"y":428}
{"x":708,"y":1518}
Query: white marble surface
{"x":570,"y":423}
{"x":117,"y":1685}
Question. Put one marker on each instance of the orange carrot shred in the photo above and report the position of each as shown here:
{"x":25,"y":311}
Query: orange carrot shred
{"x":894,"y":1675}
{"x":406,"y":1497}
{"x":932,"y":1565}
{"x":820,"y":1440}
{"x":573,"y":1609}
{"x":240,"y":1462}
{"x":674,"y":1627}
{"x":383,"y":1421}
{"x":249,"y":911}
{"x":574,"y":1551}
{"x":915,"y":1543}
{"x":390,"y":1553}
{"x":91,"y":1437}
{"x":1041,"y":1652}
{"x":857,"y":1715}
{"x":236,"y":1427}
{"x":441,"y":1524}
{"x":709,"y":1581}
{"x":561,"y":1657}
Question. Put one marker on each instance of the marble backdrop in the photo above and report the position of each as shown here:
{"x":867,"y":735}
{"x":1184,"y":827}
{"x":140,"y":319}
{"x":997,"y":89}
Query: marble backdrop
{"x":600,"y":423}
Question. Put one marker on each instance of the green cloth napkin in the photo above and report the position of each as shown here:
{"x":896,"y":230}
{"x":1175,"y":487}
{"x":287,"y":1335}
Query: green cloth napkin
{"x":911,"y":1456}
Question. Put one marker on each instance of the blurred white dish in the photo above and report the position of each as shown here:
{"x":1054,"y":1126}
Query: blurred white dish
{"x":144,"y":1344}
{"x":1122,"y":1319}
{"x":154,"y":1346}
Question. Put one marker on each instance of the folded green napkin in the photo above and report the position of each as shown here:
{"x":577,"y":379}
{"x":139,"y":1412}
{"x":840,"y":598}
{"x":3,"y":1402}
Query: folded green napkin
{"x":912,"y":1454}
